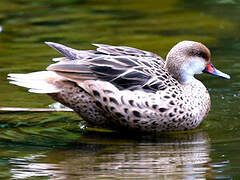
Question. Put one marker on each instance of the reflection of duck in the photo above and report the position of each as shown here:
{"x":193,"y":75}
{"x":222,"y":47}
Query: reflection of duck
{"x":174,"y":156}
{"x":125,"y":87}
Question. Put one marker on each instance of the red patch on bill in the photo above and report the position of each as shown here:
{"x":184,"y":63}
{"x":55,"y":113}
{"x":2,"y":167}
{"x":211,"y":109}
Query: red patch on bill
{"x":210,"y":68}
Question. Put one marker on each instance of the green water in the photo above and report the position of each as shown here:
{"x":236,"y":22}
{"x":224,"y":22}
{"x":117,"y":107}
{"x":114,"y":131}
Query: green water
{"x":53,"y":146}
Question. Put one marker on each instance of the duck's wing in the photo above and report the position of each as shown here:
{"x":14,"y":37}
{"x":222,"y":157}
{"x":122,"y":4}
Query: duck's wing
{"x":127,"y":51}
{"x":125,"y":68}
{"x":105,"y":49}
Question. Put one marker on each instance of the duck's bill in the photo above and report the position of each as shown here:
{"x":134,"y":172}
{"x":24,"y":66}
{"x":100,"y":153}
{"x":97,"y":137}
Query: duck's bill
{"x":210,"y":69}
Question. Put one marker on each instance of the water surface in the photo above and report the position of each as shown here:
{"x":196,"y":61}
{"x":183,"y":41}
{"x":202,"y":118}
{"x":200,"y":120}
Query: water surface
{"x":55,"y":146}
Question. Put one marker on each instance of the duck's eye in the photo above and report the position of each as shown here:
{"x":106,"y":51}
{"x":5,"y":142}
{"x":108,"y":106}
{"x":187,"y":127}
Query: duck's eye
{"x":201,"y":54}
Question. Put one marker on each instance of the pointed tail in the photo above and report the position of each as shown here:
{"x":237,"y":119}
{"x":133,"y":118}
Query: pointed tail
{"x":37,"y":82}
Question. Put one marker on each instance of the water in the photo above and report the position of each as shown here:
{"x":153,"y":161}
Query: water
{"x":55,"y":146}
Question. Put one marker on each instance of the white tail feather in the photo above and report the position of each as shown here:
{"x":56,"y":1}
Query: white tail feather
{"x":37,"y":82}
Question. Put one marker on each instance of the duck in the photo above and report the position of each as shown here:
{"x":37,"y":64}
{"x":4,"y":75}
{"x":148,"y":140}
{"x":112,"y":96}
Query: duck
{"x":121,"y":87}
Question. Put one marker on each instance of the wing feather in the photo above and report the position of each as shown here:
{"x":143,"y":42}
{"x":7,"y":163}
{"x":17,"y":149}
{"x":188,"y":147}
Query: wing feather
{"x":125,"y":67}
{"x":126,"y":51}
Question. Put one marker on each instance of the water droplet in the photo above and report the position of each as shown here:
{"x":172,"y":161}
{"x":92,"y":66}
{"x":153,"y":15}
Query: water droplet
{"x":57,"y":105}
{"x":82,"y":126}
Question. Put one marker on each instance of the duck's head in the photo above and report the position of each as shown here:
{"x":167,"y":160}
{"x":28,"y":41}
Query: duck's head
{"x":188,"y":58}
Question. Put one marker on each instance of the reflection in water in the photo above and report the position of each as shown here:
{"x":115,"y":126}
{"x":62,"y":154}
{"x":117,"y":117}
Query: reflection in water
{"x":179,"y":156}
{"x":27,"y":167}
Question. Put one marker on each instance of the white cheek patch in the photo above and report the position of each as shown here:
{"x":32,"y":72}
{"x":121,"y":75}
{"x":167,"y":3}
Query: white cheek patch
{"x":195,"y":65}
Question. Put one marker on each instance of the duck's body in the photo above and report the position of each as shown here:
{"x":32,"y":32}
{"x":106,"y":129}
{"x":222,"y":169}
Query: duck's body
{"x":123,"y":87}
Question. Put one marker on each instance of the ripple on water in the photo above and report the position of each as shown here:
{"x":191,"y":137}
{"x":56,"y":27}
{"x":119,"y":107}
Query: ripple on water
{"x":172,"y":157}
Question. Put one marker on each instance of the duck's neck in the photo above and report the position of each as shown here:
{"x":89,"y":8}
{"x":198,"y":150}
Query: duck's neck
{"x":187,"y":80}
{"x":184,"y":71}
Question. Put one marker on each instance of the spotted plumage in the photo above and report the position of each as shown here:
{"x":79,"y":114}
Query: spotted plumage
{"x":121,"y":87}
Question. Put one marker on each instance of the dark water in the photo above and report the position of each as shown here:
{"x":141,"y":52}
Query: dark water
{"x":53,"y":146}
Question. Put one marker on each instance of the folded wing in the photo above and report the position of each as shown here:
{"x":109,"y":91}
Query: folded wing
{"x":125,"y":67}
